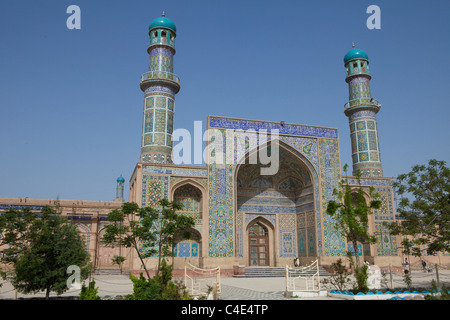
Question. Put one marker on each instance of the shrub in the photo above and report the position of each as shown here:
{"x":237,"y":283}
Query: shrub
{"x":160,"y":287}
{"x":362,"y":275}
{"x":89,"y":293}
{"x":340,"y":276}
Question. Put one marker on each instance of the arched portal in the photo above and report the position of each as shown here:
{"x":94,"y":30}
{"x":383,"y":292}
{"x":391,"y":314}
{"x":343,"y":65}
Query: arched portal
{"x":188,"y":243}
{"x":286,"y":200}
{"x":191,"y":198}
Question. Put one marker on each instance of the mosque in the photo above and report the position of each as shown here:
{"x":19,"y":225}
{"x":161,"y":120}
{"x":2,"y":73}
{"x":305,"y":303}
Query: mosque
{"x":243,"y":217}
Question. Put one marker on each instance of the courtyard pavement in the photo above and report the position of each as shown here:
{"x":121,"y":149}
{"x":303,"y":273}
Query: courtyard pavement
{"x":271,"y":288}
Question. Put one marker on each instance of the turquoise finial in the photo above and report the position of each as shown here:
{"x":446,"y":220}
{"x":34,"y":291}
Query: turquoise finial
{"x":120,"y":179}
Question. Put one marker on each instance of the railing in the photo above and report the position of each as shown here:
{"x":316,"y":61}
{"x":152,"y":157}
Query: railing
{"x":310,"y":283}
{"x":359,"y":102}
{"x":160,"y":75}
{"x":197,"y":283}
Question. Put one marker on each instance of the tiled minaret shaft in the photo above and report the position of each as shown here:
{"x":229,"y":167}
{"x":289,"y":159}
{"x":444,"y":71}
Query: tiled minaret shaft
{"x":361,"y":111}
{"x":160,"y":85}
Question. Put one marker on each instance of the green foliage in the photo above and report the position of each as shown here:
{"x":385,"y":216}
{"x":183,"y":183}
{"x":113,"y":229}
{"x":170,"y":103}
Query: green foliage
{"x":148,"y":227}
{"x":351,"y":212}
{"x":90,"y":292}
{"x":40,"y":249}
{"x":362,"y":275}
{"x":425,"y":220}
{"x":160,"y":287}
{"x":407,"y":280}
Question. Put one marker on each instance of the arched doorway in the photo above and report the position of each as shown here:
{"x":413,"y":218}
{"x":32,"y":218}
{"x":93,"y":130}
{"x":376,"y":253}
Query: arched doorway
{"x":286,"y":200}
{"x":258,"y":244}
{"x":192,"y":200}
{"x":188,"y":243}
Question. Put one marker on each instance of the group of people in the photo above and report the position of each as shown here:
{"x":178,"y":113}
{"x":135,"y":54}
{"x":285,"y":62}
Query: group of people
{"x":406,"y":266}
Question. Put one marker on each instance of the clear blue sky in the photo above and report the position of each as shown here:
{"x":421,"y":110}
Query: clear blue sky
{"x":71,"y":107}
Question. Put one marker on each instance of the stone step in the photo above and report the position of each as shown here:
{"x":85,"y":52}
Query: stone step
{"x":108,"y":271}
{"x":255,"y":272}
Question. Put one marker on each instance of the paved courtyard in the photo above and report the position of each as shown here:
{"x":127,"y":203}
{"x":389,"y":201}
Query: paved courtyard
{"x":271,"y":288}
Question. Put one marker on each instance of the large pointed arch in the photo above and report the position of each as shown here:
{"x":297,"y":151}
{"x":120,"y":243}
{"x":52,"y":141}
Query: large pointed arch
{"x":298,"y":224}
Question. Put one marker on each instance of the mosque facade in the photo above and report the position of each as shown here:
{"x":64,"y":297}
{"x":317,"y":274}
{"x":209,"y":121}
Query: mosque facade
{"x":242,"y":215}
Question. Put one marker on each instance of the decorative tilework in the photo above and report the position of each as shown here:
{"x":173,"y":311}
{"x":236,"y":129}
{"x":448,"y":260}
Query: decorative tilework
{"x":269,"y":217}
{"x":386,"y":243}
{"x":287,"y":243}
{"x":306,"y":146}
{"x":352,"y":127}
{"x":191,"y":198}
{"x":334,"y":240}
{"x":202,"y":172}
{"x":149,"y":102}
{"x":363,"y":156}
{"x":354,"y":143}
{"x":374,"y":156}
{"x":159,"y":89}
{"x":154,"y":188}
{"x":371,"y":182}
{"x":148,"y":118}
{"x":220,"y":185}
{"x":287,"y":221}
{"x":362,"y":141}
{"x":360,"y":125}
{"x":160,"y":120}
{"x":350,"y":248}
{"x":302,"y":251}
{"x":386,"y":211}
{"x":362,"y":114}
{"x":194,"y":250}
{"x":184,"y":249}
{"x":239,"y":234}
{"x":289,"y":129}
{"x":170,"y":104}
{"x":372,"y":140}
{"x":169,"y":128}
{"x":311,"y":241}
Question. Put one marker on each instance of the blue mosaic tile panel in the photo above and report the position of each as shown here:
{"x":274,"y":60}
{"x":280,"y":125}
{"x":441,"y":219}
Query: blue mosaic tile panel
{"x":386,"y":243}
{"x":202,"y":172}
{"x":221,"y":208}
{"x":289,"y":129}
{"x":288,"y":243}
{"x":334,"y":240}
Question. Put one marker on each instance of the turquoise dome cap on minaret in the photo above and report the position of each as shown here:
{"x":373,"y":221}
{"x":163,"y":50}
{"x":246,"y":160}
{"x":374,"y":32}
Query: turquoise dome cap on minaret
{"x":120,"y":179}
{"x":163,"y":22}
{"x":355,"y":54}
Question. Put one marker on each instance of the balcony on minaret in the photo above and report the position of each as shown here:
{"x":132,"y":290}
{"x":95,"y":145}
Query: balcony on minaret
{"x":367,"y":103}
{"x":155,"y":77}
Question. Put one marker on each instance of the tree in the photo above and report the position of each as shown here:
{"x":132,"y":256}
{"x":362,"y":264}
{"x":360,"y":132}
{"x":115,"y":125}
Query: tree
{"x":425,"y":220}
{"x":153,"y":229}
{"x":351,"y":212}
{"x":41,"y":249}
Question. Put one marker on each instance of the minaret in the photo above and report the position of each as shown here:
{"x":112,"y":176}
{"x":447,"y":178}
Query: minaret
{"x":361,"y":111}
{"x":160,"y":85}
{"x":119,"y":188}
